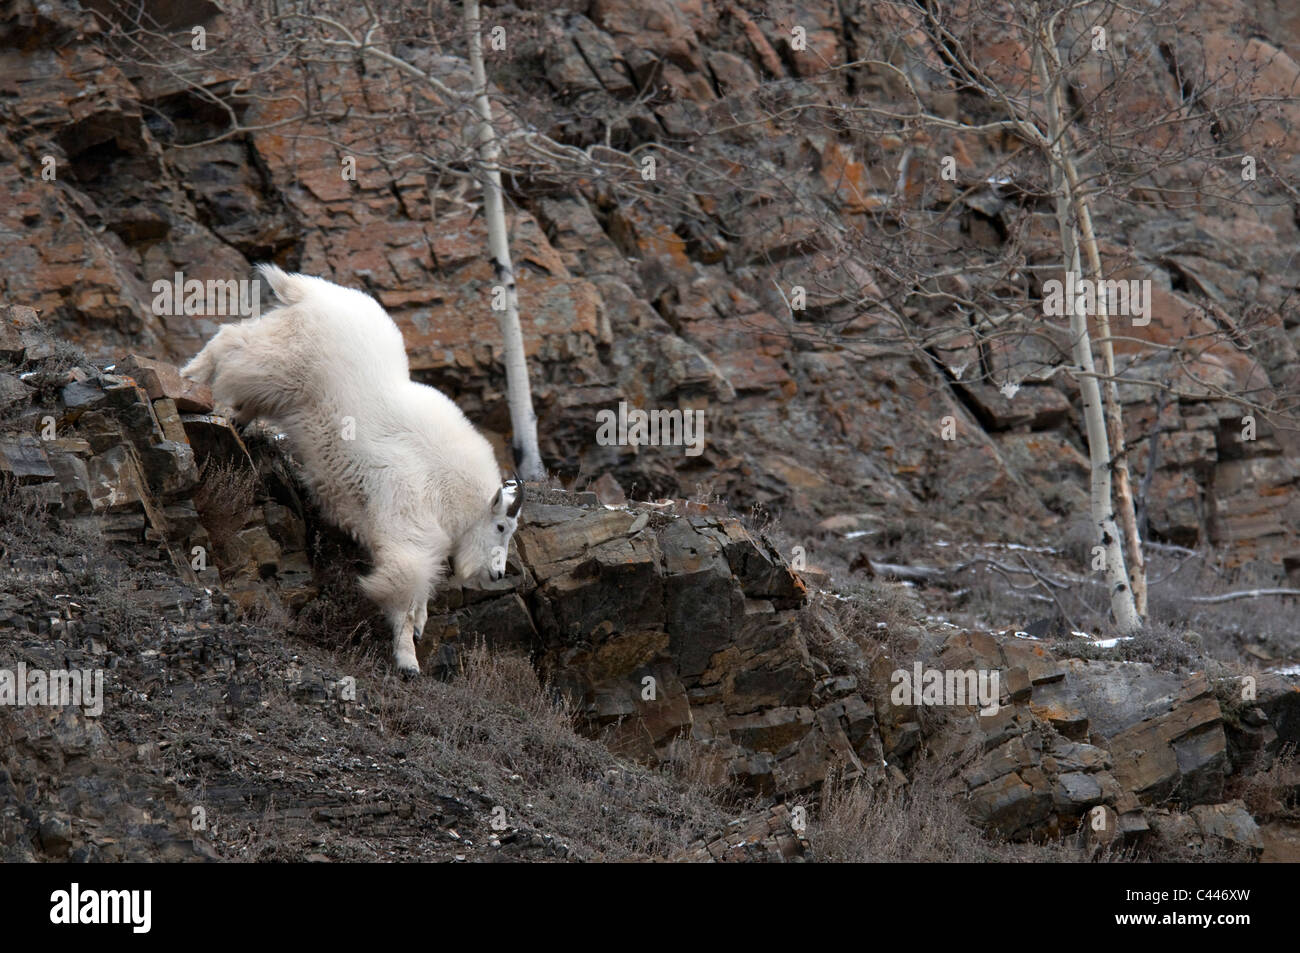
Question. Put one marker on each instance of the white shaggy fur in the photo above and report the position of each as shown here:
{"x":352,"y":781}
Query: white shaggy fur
{"x":393,"y":462}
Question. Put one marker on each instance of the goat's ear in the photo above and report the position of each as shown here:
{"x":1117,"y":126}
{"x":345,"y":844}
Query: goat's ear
{"x":496,"y":501}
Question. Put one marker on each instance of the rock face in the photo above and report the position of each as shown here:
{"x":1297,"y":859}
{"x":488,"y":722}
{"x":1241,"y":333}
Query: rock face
{"x":685,"y":627}
{"x":770,"y":838}
{"x":664,"y":628}
{"x":658,"y":308}
{"x":668,"y":627}
{"x":672,"y":630}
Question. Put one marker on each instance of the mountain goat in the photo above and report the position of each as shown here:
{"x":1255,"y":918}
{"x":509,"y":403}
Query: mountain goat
{"x":391,"y":461}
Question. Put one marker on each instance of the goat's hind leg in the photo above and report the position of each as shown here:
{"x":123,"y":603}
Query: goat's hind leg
{"x":402,"y":621}
{"x":422,"y":602}
{"x":203,"y":366}
{"x":249,"y":366}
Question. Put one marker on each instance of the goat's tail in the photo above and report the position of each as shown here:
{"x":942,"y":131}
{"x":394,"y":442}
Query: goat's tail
{"x":290,"y":289}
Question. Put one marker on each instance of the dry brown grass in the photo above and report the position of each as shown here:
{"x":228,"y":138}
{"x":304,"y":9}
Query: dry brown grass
{"x":923,"y":821}
{"x":1273,"y":793}
{"x":224,"y":494}
{"x":702,"y":769}
{"x":1225,"y":629}
{"x":24,"y":516}
{"x":499,"y":727}
{"x":850,"y":632}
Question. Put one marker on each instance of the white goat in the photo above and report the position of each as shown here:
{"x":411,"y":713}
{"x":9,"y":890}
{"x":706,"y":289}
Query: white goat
{"x":393,"y":462}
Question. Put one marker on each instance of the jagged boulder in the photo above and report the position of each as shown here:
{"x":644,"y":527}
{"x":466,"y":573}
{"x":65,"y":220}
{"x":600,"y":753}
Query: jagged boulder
{"x":664,"y":627}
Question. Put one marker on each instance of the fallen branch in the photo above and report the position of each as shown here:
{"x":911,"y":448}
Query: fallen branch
{"x":932,"y":573}
{"x":1244,"y":594}
{"x":908,"y":573}
{"x":1170,"y":548}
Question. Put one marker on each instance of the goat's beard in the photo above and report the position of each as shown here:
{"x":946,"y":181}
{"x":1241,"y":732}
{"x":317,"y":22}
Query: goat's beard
{"x":462,"y":575}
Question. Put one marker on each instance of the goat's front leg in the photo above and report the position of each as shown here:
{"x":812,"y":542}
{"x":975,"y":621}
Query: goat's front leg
{"x":404,"y":639}
{"x":400,"y":583}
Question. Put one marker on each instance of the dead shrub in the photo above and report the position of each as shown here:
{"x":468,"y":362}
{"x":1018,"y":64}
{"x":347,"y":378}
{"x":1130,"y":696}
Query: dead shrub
{"x":921,"y":821}
{"x":1273,"y":793}
{"x":223,"y":497}
{"x":25,"y":516}
{"x":703,"y":769}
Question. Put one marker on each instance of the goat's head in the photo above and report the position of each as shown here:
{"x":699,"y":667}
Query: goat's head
{"x":481,"y":553}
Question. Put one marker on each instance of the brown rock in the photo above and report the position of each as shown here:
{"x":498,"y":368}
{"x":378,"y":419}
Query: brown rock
{"x":161,"y":380}
{"x":23,"y":459}
{"x":1181,"y":753}
{"x":1230,"y":823}
{"x":767,"y":838}
{"x":1037,"y":407}
{"x":1011,"y":804}
{"x":1280,"y":842}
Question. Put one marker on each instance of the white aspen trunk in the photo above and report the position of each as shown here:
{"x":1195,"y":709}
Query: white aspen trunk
{"x":1137,"y":570}
{"x":1117,"y":583}
{"x":523,"y":419}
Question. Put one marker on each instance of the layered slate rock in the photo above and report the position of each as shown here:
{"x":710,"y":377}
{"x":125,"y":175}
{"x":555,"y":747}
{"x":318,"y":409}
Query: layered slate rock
{"x":1181,"y":752}
{"x":670,"y":306}
{"x":770,"y":838}
{"x":125,"y":450}
{"x":1082,"y":744}
{"x":668,"y":628}
{"x":1028,"y":768}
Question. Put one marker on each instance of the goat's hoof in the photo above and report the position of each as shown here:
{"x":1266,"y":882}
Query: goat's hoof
{"x":408,"y":670}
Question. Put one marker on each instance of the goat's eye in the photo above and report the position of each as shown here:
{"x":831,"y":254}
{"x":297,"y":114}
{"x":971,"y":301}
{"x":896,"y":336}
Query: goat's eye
{"x":501,"y":527}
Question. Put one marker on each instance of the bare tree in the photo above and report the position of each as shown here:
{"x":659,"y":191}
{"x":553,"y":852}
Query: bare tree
{"x":523,"y":419}
{"x":1124,"y":150}
{"x":1070,"y":211}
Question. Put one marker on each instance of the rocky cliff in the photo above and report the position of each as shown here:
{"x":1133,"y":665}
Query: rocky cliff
{"x":631,"y":302}
{"x":248,"y":710}
{"x":716,"y":687}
